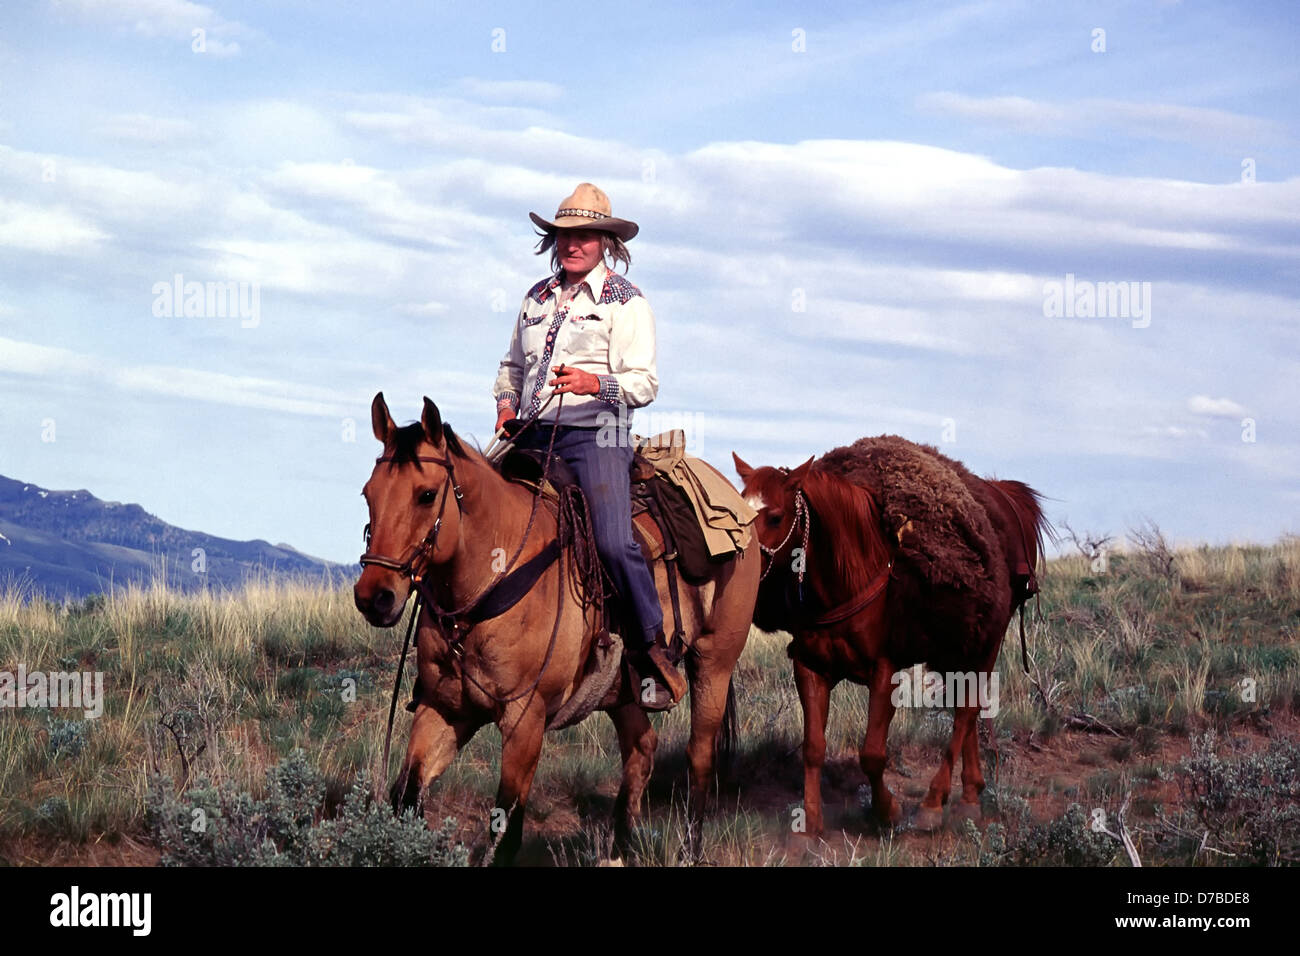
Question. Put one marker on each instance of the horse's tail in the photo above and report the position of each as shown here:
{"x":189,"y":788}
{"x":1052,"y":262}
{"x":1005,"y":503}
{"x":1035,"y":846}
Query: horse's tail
{"x":1034,"y":527}
{"x":728,"y":733}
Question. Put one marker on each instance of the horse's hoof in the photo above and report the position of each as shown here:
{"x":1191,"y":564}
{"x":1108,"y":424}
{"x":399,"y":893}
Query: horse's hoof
{"x":928,"y":819}
{"x":966,"y":811}
{"x":404,"y":801}
{"x":892,"y":817}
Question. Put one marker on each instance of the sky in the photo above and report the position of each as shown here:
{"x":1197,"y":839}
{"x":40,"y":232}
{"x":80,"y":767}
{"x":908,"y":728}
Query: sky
{"x":856,"y":219}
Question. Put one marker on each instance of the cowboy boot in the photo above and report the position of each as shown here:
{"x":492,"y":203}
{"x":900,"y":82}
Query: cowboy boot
{"x":663,"y":669}
{"x":649,"y":697}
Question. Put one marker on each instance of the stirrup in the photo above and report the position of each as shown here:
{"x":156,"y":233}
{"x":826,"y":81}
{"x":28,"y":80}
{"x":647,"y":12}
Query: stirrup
{"x":641,"y":669}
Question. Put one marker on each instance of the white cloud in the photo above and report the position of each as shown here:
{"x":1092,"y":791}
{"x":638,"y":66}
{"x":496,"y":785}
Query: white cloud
{"x":1092,"y":118}
{"x":146,"y":130}
{"x":513,"y":91}
{"x":1178,"y":432}
{"x":47,"y":229}
{"x":923,"y":192}
{"x":918,"y":328}
{"x":168,"y":19}
{"x":383,"y":201}
{"x":1215,"y":407}
{"x":327,"y":263}
{"x":473,"y":129}
{"x":1016,"y":111}
{"x":423,"y":309}
{"x":47,"y":362}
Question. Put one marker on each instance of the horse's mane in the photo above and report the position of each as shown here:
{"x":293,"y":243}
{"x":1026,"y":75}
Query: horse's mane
{"x":408,"y":438}
{"x":851,"y":519}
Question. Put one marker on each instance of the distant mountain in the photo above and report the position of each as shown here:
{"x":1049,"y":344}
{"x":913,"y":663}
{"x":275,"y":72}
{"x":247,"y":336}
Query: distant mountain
{"x":72,"y":544}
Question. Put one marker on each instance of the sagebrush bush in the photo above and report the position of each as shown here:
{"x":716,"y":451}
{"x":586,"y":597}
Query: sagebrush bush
{"x":67,"y":738}
{"x":1248,"y":804}
{"x":1067,"y":841}
{"x":210,"y":826}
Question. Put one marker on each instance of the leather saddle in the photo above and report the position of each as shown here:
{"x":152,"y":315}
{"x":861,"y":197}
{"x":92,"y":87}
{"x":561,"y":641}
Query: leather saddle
{"x":527,"y":465}
{"x":663,"y":521}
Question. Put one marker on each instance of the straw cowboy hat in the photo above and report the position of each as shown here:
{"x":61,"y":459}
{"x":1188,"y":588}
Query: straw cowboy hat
{"x":587,"y":208}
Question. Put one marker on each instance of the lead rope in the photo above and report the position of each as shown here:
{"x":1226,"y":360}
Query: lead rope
{"x":397,"y":683}
{"x":416,"y":607}
{"x":800,"y":514}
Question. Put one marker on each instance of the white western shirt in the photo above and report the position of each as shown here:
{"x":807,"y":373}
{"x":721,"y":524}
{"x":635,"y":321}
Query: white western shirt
{"x":606,"y":328}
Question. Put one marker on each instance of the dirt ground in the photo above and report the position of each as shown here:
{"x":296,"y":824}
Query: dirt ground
{"x":1054,"y":772}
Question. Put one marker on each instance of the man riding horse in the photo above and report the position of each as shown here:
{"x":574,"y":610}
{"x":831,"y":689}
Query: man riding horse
{"x":588,"y":334}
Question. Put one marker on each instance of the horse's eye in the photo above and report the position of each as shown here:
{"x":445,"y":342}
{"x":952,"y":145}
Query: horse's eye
{"x":428,"y":497}
{"x":774,"y":519}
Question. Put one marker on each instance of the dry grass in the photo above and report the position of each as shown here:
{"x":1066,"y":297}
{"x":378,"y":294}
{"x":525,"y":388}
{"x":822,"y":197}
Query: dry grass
{"x":245,"y":678}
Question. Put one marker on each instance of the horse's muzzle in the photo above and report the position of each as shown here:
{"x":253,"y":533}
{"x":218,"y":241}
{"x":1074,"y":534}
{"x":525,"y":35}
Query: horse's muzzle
{"x":377,"y":604}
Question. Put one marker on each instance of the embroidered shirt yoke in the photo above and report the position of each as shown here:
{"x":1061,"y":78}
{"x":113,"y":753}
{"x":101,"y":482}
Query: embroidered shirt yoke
{"x":605,"y":327}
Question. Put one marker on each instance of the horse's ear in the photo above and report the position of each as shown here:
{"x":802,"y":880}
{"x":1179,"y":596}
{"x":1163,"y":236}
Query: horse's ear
{"x":380,"y":420}
{"x":432,"y":422}
{"x":796,"y":477}
{"x":742,"y":468}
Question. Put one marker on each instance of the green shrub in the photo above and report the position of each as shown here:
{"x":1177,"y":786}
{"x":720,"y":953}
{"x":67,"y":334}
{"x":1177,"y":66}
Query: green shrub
{"x":1249,"y":804}
{"x":1068,"y":841}
{"x":208,"y":826}
{"x":67,"y":738}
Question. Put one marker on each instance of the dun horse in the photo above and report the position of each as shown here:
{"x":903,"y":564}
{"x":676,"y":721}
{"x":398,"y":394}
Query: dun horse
{"x":444,"y":514}
{"x":849,"y":620}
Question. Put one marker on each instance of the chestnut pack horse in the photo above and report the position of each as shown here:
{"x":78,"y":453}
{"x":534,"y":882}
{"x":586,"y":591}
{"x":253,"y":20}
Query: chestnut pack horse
{"x":853,"y":629}
{"x":442,"y":513}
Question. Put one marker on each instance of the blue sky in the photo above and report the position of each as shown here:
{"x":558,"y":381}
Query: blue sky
{"x":850,"y":217}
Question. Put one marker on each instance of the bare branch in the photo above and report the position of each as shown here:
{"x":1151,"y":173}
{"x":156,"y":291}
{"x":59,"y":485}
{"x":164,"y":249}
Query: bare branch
{"x":1123,"y":835}
{"x":1090,"y":544}
{"x":1090,"y":723}
{"x":1152,"y":548}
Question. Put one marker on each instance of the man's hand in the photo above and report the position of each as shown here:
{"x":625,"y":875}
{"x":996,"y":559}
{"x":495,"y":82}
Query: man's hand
{"x":503,"y":416}
{"x":575,"y":381}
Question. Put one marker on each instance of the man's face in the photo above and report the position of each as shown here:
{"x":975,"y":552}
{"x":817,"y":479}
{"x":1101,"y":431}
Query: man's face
{"x":579,"y":249}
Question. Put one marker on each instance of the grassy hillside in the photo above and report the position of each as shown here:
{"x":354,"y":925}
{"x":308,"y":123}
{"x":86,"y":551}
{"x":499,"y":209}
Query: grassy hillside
{"x":1131,"y":669}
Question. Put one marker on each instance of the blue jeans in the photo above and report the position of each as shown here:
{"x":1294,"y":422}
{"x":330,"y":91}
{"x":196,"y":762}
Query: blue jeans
{"x":603,"y":474}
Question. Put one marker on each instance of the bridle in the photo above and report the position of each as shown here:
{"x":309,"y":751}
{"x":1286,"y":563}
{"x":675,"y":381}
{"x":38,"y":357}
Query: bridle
{"x":454,"y":621}
{"x":408,"y":567}
{"x":800,"y":517}
{"x":841,"y":612}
